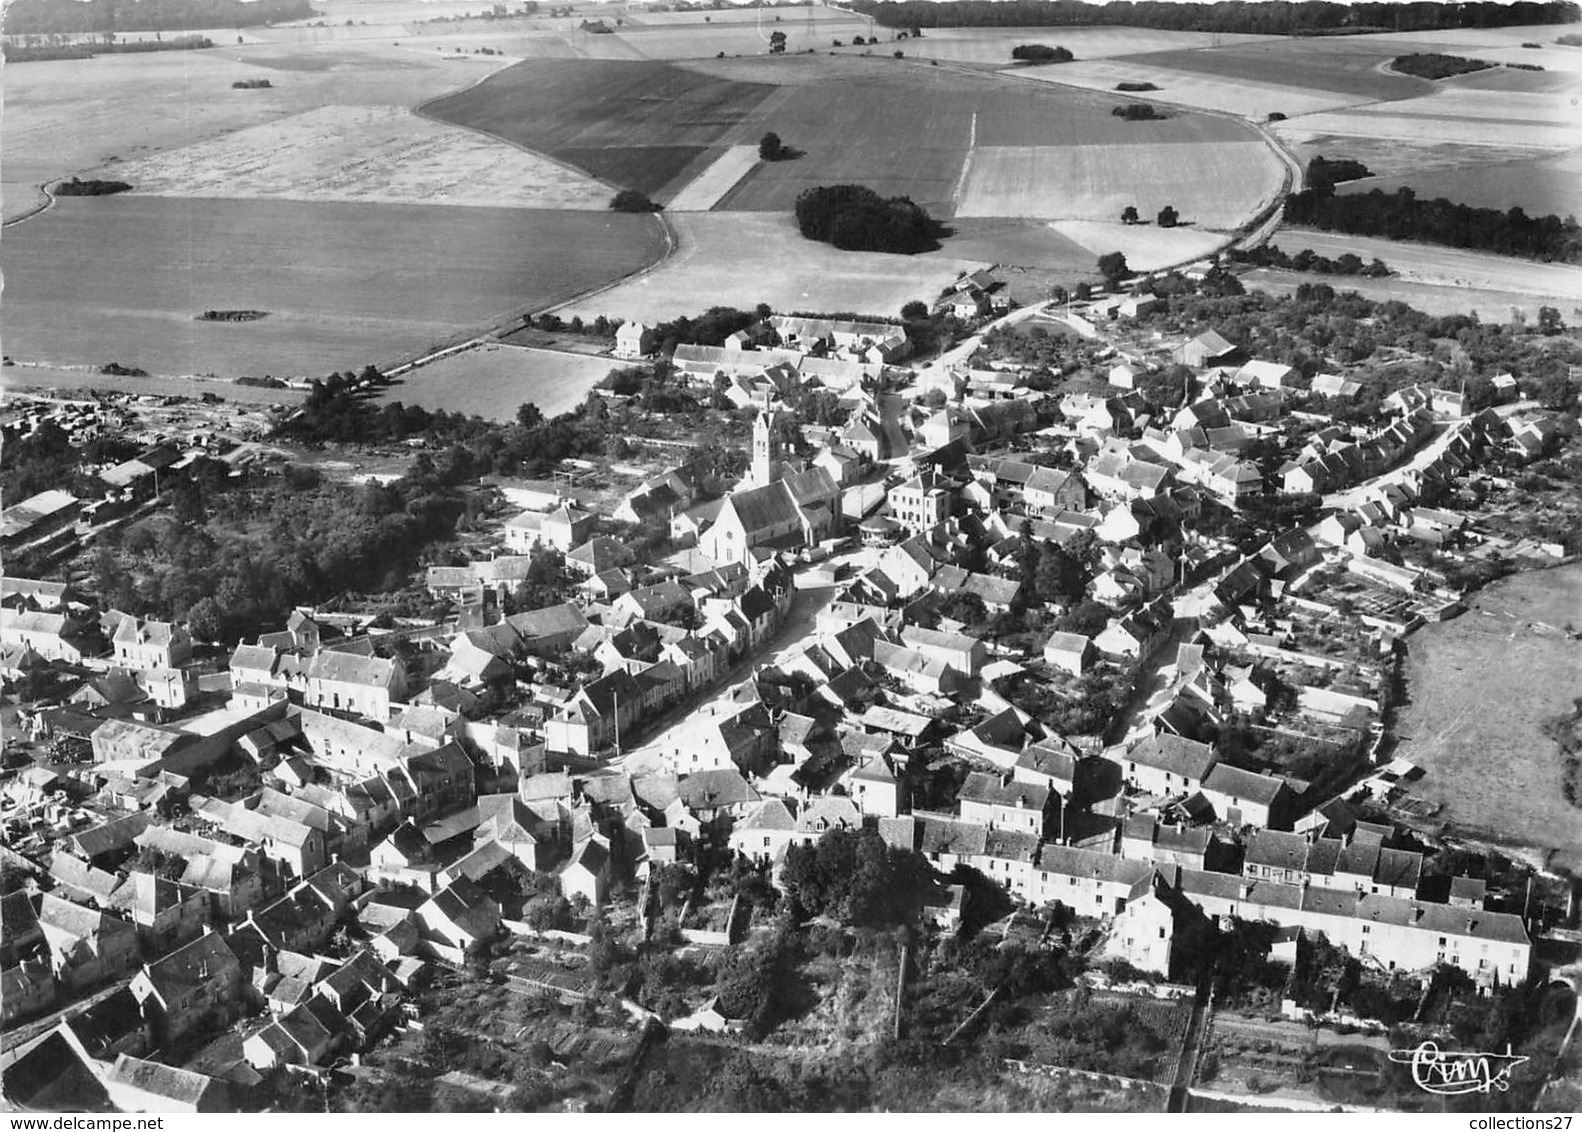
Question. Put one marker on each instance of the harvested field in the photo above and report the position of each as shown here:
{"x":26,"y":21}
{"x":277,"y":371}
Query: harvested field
{"x":1479,"y":688}
{"x":1342,"y":64}
{"x":706,"y":190}
{"x":992,"y":46}
{"x":1429,"y":263}
{"x":634,"y":124}
{"x":1539,"y":186}
{"x":1212,"y":185}
{"x":1145,"y":246}
{"x":68,"y":117}
{"x":1248,"y":98}
{"x":368,"y":154}
{"x":345,"y":285}
{"x":739,"y":259}
{"x":1511,"y":107}
{"x":494,"y":380}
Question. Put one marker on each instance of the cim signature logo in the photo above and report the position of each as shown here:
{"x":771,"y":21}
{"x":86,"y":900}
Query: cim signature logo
{"x":1451,"y":1073}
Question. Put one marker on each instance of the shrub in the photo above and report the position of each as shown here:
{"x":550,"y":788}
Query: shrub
{"x":1040,"y":53}
{"x":630,"y":200}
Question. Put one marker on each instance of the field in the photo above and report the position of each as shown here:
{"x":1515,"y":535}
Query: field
{"x":706,"y":190}
{"x":367,"y":154}
{"x":1430,"y":298}
{"x":1479,"y":688}
{"x":1228,"y":94}
{"x":1343,"y":65}
{"x":1213,"y":185}
{"x":1145,"y":246}
{"x":345,"y":285}
{"x":494,"y":380}
{"x":1542,"y":186}
{"x":1427,"y":263}
{"x":72,"y":116}
{"x":45,"y":379}
{"x":740,"y":259}
{"x":992,"y":46}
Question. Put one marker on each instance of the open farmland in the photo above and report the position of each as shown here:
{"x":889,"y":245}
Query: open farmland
{"x":706,"y":190}
{"x":992,"y":46}
{"x":1556,"y":284}
{"x":1342,"y":64}
{"x":1540,"y":186}
{"x":739,"y":259}
{"x":71,"y":116}
{"x":344,"y":284}
{"x":1475,"y":709}
{"x":1431,"y":298}
{"x":634,"y":124}
{"x":1227,"y":94}
{"x":1146,"y":247}
{"x":1212,"y":185}
{"x":494,"y":379}
{"x":369,"y":154}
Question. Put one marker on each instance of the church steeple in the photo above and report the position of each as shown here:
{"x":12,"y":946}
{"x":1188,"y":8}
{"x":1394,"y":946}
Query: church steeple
{"x":766,"y":449}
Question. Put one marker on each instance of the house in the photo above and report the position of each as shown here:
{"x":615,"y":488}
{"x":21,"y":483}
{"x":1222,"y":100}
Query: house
{"x":145,"y":645}
{"x":1141,"y":933}
{"x":1167,"y":764}
{"x":360,"y":685}
{"x":1144,"y":838}
{"x":459,"y":916}
{"x":86,"y":947}
{"x":1049,"y":490}
{"x":633,"y":340}
{"x":195,"y":987}
{"x":1242,"y":797}
{"x":1207,"y":349}
{"x":587,"y":874}
{"x":1002,"y":801}
{"x":135,"y":1085}
{"x":563,"y":528}
{"x":1069,"y":652}
{"x":52,"y":636}
{"x":923,"y":502}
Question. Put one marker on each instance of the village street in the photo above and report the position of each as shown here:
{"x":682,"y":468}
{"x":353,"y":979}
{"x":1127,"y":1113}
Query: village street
{"x":1353,"y":496}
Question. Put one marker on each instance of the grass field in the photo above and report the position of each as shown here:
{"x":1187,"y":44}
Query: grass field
{"x":1018,"y":242}
{"x":494,"y":380}
{"x":740,"y":259}
{"x":1229,"y":94}
{"x":71,"y":116}
{"x":1479,"y":687}
{"x":367,"y":154}
{"x":1213,"y":185}
{"x":345,"y":284}
{"x":1428,"y":263}
{"x":1343,"y":64}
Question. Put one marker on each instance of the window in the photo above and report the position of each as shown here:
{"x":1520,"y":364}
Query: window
{"x":1366,"y":928}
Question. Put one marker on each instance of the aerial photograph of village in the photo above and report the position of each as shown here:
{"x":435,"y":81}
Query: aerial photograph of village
{"x":885,"y":556}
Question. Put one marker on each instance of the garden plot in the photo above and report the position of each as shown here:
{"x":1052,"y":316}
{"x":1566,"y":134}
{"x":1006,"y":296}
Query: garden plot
{"x":1248,"y":98}
{"x":1211,"y":185}
{"x":371,"y":154}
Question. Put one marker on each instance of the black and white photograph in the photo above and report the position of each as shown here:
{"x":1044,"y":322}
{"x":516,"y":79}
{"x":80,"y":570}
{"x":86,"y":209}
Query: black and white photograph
{"x":585,"y":557}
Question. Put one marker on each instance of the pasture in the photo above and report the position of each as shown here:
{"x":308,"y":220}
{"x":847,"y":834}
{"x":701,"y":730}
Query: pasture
{"x":493,"y":380}
{"x":71,"y":116}
{"x":1212,"y":185}
{"x":369,"y":154}
{"x":1478,"y":688}
{"x":740,"y":259}
{"x":345,"y":285}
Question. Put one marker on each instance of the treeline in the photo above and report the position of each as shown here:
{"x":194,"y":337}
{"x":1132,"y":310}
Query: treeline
{"x":45,"y":52}
{"x":855,"y":218}
{"x":43,"y":17}
{"x":77,"y":188}
{"x":1324,"y":174}
{"x":1308,"y":260}
{"x":1262,"y":17}
{"x":1402,"y":216}
{"x":1432,"y":66}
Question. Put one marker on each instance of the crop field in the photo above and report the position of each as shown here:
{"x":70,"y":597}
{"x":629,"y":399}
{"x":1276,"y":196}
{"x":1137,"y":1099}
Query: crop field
{"x":344,"y":284}
{"x":1145,"y":246}
{"x":1343,"y":64}
{"x":992,"y":46}
{"x":69,"y":117}
{"x":1230,"y":95}
{"x":1414,"y":129}
{"x":493,"y":380}
{"x":1475,"y":708}
{"x":706,"y":190}
{"x":1018,"y":242}
{"x":1540,"y":186}
{"x":740,"y":259}
{"x":1428,"y":263}
{"x":368,"y":154}
{"x":634,"y":124}
{"x":1213,"y":185}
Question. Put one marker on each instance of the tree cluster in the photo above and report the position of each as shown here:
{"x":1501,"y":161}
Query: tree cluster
{"x":1041,"y":53}
{"x":630,"y":200}
{"x":854,"y":877}
{"x":1430,"y":65}
{"x":1324,"y":174}
{"x":87,"y":16}
{"x":1258,"y":17}
{"x":79,"y":188}
{"x":855,"y":218}
{"x":1138,"y":112}
{"x":1402,"y":216}
{"x":1307,"y":259}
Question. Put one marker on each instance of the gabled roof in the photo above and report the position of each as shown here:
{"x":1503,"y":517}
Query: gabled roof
{"x":1237,"y":783}
{"x":1174,"y":754}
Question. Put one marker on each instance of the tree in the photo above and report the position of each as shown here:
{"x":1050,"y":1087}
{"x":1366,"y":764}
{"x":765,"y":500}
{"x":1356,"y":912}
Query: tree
{"x":915,"y":311}
{"x":777,"y":43}
{"x":1168,"y":217}
{"x":770,"y":147}
{"x":630,"y":200}
{"x":1549,"y":321}
{"x":1112,"y":265}
{"x":1129,"y":214}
